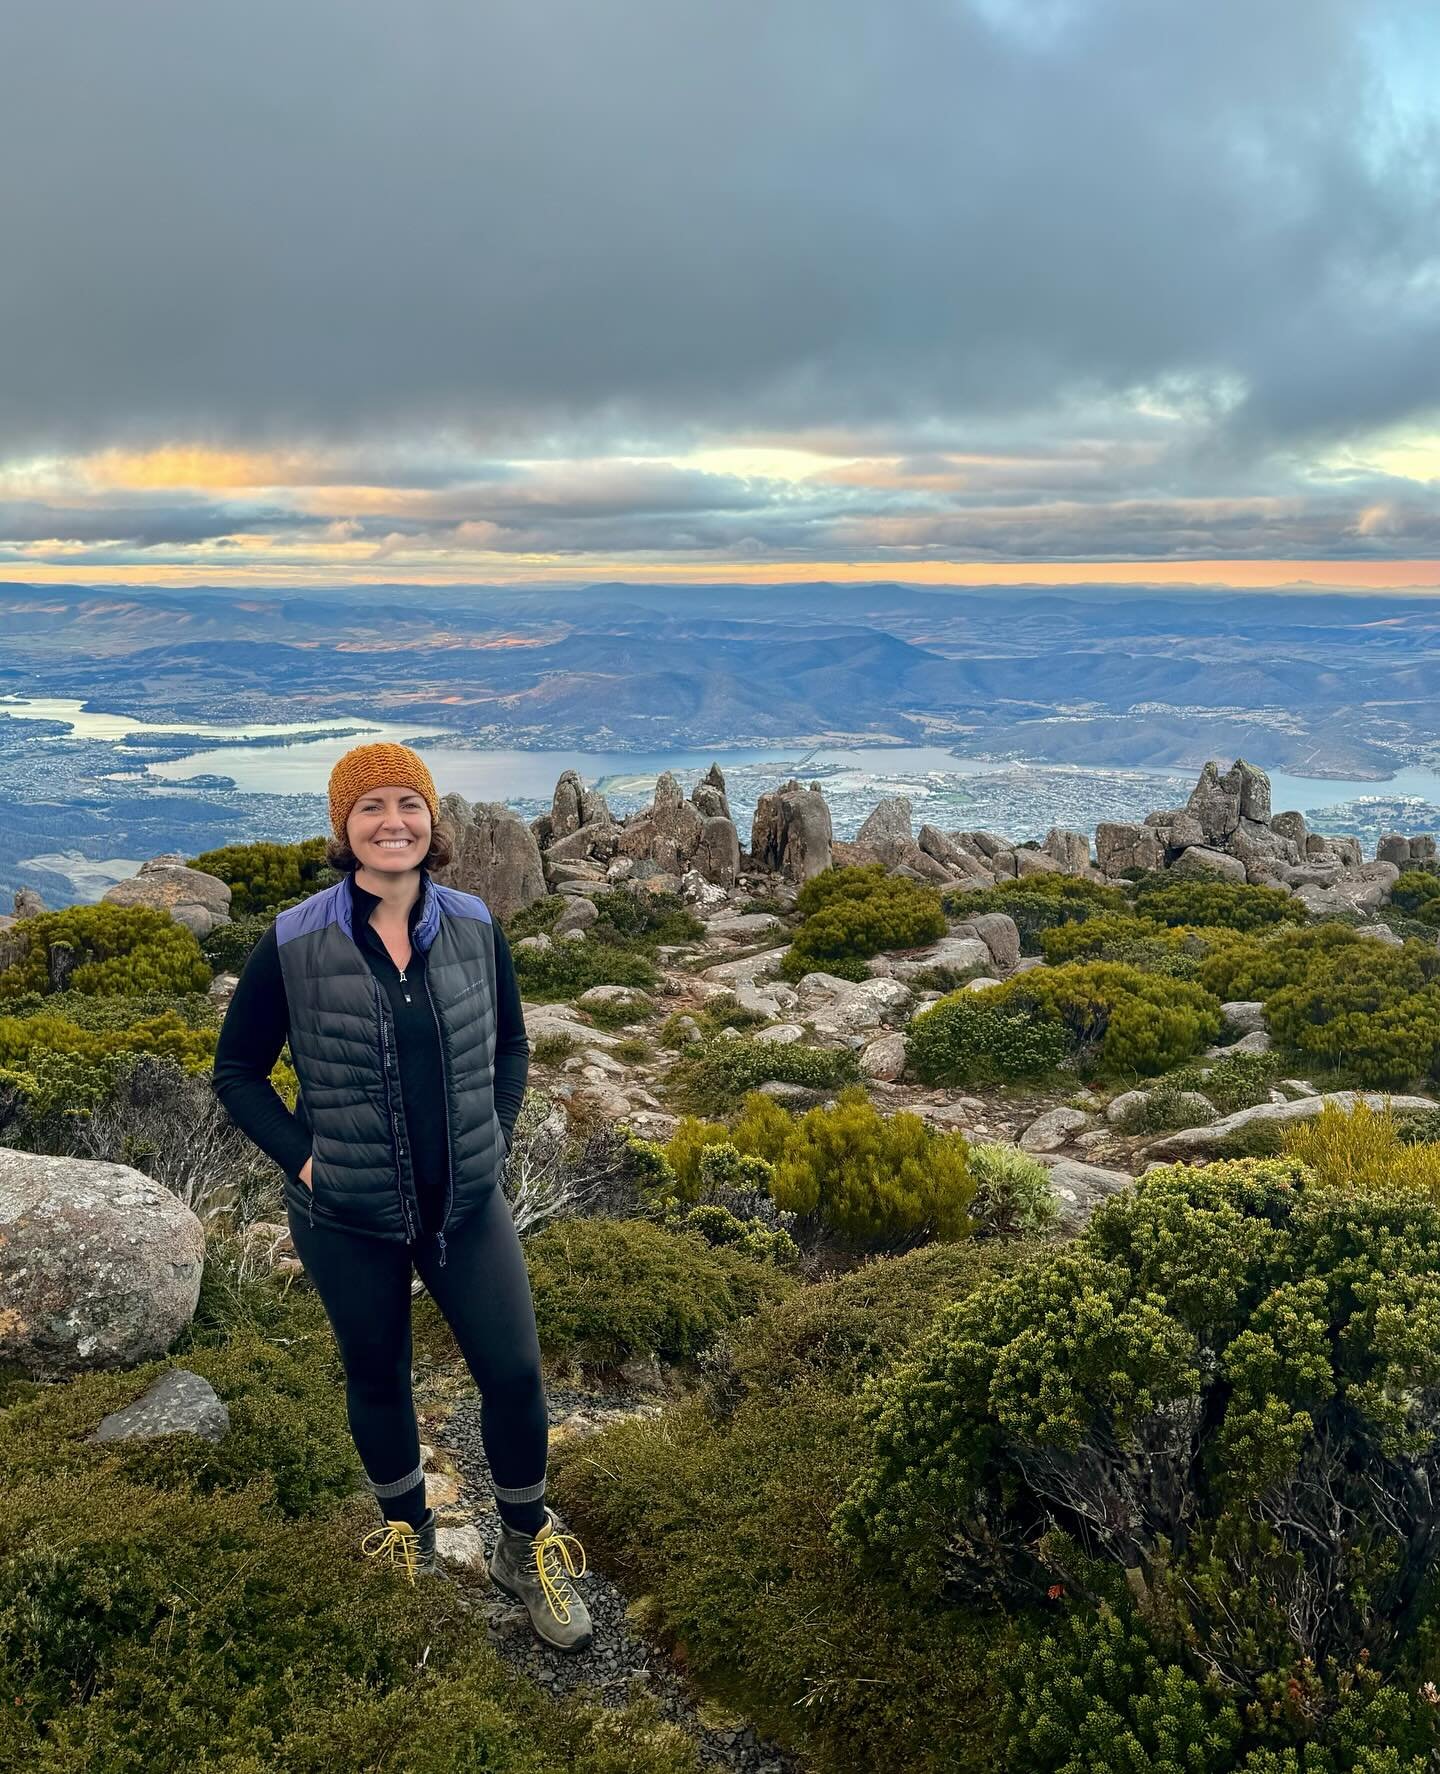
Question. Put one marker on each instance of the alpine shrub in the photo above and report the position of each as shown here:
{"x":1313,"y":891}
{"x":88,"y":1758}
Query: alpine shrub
{"x":709,"y":1076}
{"x":1176,"y":1408}
{"x":968,"y":1039}
{"x":109,"y":950}
{"x":848,"y":914}
{"x":1233,"y":905}
{"x":265,"y":876}
{"x":1039,"y":903}
{"x":1115,"y":1019}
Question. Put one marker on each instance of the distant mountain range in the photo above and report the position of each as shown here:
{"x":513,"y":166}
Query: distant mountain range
{"x":1348,"y":685}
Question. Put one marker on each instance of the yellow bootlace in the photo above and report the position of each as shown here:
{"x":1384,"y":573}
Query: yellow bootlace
{"x":398,"y":1541}
{"x":553,"y":1586}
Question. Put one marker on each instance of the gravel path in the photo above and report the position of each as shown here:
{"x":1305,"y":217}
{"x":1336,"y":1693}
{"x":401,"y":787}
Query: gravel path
{"x":620,"y":1665}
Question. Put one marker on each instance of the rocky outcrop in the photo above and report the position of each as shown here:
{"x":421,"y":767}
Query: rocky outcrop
{"x":1120,"y":846}
{"x":791,"y":834}
{"x":99,"y":1266}
{"x":199,"y":901}
{"x":496,"y":855}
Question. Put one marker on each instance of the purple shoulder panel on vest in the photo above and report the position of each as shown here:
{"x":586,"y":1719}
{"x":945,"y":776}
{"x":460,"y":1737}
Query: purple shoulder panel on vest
{"x":330,"y":906}
{"x":456,"y":904}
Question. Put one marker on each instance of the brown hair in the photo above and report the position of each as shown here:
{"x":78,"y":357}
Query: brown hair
{"x":339,"y":855}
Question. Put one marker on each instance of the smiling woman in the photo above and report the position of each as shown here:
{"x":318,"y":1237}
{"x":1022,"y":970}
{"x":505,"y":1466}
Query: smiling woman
{"x":399,"y":1001}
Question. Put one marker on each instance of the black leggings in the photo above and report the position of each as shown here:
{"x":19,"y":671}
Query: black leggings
{"x":483,"y":1292}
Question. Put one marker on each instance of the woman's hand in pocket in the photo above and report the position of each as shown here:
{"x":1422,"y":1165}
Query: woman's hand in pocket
{"x":305,"y":1174}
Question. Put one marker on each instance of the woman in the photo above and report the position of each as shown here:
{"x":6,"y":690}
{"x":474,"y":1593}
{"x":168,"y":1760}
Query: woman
{"x":399,"y":1001}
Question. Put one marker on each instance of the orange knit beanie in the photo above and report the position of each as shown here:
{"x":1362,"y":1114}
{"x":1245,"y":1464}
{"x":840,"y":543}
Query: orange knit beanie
{"x":381,"y":765}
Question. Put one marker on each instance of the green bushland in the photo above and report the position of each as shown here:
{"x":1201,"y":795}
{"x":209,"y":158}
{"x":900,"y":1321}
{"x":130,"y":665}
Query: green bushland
{"x":968,"y":1038}
{"x":229,"y":946}
{"x":118,"y":950}
{"x":618,"y":950}
{"x":1262,"y":1346}
{"x":1365,"y":1011}
{"x":176,"y":1604}
{"x":727,"y":1197}
{"x":849,"y":914}
{"x":1239,"y":1081}
{"x":1231,"y":905}
{"x":1111,"y":936}
{"x":1417,"y":893}
{"x":709,"y":1076}
{"x":846,"y":1172}
{"x":1105,"y":1018}
{"x":554,"y":1050}
{"x":569,"y":968}
{"x":711,"y":1017}
{"x":1040,"y":902}
{"x":606,"y":1290}
{"x":717,"y":1515}
{"x":265,"y":877}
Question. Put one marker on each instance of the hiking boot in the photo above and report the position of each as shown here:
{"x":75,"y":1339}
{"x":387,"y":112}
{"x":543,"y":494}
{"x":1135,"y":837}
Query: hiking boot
{"x":412,"y":1549}
{"x":536,"y":1572}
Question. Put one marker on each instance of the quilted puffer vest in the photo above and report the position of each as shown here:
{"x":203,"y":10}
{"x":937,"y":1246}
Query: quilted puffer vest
{"x":342,"y":1042}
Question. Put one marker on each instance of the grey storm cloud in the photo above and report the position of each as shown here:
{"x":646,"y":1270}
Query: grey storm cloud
{"x":135,"y":525}
{"x":259,"y":219}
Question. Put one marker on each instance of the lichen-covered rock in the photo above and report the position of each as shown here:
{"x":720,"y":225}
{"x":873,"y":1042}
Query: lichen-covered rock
{"x":1200,"y":860}
{"x":1000,"y":934}
{"x":99,"y":1266}
{"x":1053,"y":1129}
{"x":199,"y":901}
{"x":178,"y":1403}
{"x":1071,"y":850}
{"x":496,"y":855}
{"x":1193,"y":1141}
{"x":791,"y":832}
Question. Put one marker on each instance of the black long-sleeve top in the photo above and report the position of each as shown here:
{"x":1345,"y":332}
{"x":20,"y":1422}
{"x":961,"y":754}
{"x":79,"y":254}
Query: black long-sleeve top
{"x":257,"y":1024}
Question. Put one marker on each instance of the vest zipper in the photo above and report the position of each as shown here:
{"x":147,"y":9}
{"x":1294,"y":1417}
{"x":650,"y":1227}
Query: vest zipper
{"x":390,"y":1113}
{"x":405,"y":985}
{"x":445,"y":1100}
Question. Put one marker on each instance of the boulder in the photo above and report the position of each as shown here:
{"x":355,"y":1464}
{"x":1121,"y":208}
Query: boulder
{"x":1034,"y":862}
{"x":199,"y":901}
{"x":791,"y":832}
{"x":1078,"y":1188}
{"x":1202,"y":862}
{"x":717,"y":850}
{"x":883,"y":1058}
{"x":578,"y":914}
{"x":1219,"y":802}
{"x":704,"y":895}
{"x":1000,"y":934}
{"x":1071,"y":850}
{"x":781,"y":1034}
{"x":613,"y":997}
{"x":1128,"y":847}
{"x":1291,"y":826}
{"x":1245,"y":1015}
{"x":1191,"y":1142}
{"x":178,"y":1403}
{"x":1257,"y":1041}
{"x":593,"y":842}
{"x":960,"y":953}
{"x":709,"y":794}
{"x":848,"y":1007}
{"x":675,"y":819}
{"x":99,"y":1266}
{"x":496,"y":855}
{"x":565,"y":816}
{"x":886,"y":829}
{"x":1053,"y":1129}
{"x":27,"y":903}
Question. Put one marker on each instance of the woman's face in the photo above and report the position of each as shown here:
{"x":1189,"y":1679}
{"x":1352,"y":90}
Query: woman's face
{"x":389,"y":830}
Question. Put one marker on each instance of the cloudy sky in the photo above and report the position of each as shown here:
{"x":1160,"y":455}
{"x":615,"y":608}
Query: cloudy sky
{"x":552,"y":290}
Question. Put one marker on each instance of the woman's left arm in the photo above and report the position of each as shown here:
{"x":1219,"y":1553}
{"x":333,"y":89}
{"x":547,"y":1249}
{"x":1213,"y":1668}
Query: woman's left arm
{"x":512,"y":1046}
